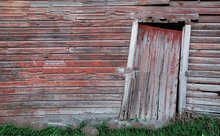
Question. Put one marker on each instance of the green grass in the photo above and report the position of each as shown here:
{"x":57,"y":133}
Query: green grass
{"x":197,"y":127}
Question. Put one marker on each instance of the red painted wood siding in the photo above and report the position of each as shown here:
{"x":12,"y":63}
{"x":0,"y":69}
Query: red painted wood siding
{"x":60,"y":59}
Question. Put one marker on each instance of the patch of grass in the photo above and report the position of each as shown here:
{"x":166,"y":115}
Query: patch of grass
{"x":202,"y":126}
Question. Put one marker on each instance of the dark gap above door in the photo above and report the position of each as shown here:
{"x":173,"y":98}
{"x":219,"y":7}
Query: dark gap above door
{"x":171,"y":26}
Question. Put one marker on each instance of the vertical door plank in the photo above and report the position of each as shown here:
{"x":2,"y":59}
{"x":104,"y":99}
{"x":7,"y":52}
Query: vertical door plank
{"x":176,"y":46}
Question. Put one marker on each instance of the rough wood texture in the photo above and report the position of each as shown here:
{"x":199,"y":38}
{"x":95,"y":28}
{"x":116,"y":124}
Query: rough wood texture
{"x":129,"y":76}
{"x":49,"y":48}
{"x":154,"y":89}
{"x":183,"y":68}
{"x":85,"y":3}
{"x":203,"y":76}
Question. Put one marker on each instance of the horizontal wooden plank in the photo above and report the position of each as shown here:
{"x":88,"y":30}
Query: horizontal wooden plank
{"x":205,"y":26}
{"x":101,"y":10}
{"x":65,"y":37}
{"x":99,"y":50}
{"x":204,"y":46}
{"x":206,"y":33}
{"x":74,"y":83}
{"x":56,"y":111}
{"x":203,"y":101}
{"x":53,"y":70}
{"x":34,"y":50}
{"x":204,"y":60}
{"x":31,"y":16}
{"x":65,"y":30}
{"x":60,"y":104}
{"x":209,"y":19}
{"x":54,"y":10}
{"x":25,"y":76}
{"x":200,"y":94}
{"x":204,"y":67}
{"x":87,"y":43}
{"x":203,"y":80}
{"x":43,"y":57}
{"x":60,"y":97}
{"x":195,"y":39}
{"x":167,"y":12}
{"x":80,"y":3}
{"x":192,"y":73}
{"x":195,"y":4}
{"x":204,"y":109}
{"x":203,"y":87}
{"x":204,"y":53}
{"x":50,"y":24}
{"x":65,"y":50}
{"x":62,"y":63}
{"x":61,"y":90}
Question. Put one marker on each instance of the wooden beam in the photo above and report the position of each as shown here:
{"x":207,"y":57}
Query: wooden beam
{"x":128,"y":75}
{"x":40,"y":3}
{"x":183,"y":67}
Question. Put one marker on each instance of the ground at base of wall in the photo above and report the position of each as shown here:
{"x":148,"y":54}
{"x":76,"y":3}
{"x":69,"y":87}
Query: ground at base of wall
{"x":199,"y":126}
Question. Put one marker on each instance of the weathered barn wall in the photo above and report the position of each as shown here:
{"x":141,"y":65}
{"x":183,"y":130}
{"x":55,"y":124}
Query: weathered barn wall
{"x":203,"y":89}
{"x":61,"y":61}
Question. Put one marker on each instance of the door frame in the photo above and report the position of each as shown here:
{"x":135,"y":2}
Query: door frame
{"x":130,"y":73}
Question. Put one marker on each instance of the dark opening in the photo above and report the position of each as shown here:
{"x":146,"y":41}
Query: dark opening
{"x":171,"y":26}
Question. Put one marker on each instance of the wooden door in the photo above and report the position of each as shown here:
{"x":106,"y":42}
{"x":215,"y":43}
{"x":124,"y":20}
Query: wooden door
{"x":153,"y":81}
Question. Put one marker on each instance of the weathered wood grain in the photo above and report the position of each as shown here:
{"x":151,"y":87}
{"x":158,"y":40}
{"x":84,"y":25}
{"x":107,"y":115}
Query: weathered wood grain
{"x":204,"y":101}
{"x":60,"y":97}
{"x":82,"y":3}
{"x":195,"y":4}
{"x":25,"y":76}
{"x":154,"y":95}
{"x":184,"y":60}
{"x":75,"y":47}
{"x":46,"y":56}
{"x":204,"y":60}
{"x":206,"y":39}
{"x":129,"y":76}
{"x":210,"y":33}
{"x":201,"y":94}
{"x":206,"y":26}
{"x":203,"y":87}
{"x":65,"y":37}
{"x":62,"y":63}
{"x":65,"y":30}
{"x":55,"y":111}
{"x":204,"y":46}
{"x":204,"y":67}
{"x":45,"y":83}
{"x":87,"y":43}
{"x":203,"y":80}
{"x":59,"y":104}
{"x":210,"y":110}
{"x":192,"y":73}
{"x":209,"y":19}
{"x":204,"y":53}
{"x":61,"y":90}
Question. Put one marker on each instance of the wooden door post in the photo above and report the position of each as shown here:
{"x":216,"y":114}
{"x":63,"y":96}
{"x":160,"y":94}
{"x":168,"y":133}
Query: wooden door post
{"x":183,"y":68}
{"x":129,"y":71}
